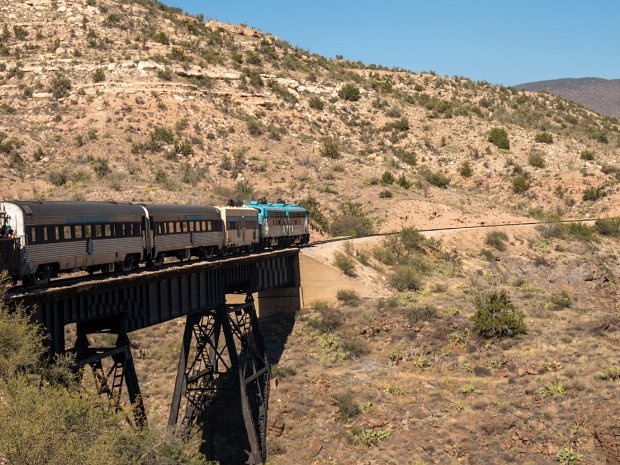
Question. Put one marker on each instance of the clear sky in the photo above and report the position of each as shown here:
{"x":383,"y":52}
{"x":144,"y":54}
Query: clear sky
{"x":498,"y":41}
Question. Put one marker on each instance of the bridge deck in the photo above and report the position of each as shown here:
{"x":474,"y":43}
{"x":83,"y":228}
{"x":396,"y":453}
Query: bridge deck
{"x":147,"y":298}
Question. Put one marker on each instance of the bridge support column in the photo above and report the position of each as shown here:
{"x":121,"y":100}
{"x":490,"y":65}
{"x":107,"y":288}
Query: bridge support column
{"x":109,"y":380}
{"x":224,"y":341}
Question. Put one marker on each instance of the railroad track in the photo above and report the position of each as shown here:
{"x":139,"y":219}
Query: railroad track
{"x":62,"y":282}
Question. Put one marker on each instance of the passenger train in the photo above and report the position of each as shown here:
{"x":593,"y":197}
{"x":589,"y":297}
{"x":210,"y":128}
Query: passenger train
{"x":40,"y":240}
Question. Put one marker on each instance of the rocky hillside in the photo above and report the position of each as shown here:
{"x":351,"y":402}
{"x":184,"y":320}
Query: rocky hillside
{"x":102,"y":99}
{"x":602,"y":95}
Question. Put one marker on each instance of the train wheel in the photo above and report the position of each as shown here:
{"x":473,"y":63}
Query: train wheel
{"x":128,"y":264}
{"x":43,"y":275}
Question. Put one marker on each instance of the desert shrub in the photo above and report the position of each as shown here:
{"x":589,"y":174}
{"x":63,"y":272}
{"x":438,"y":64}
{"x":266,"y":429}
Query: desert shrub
{"x":349,"y":92}
{"x":324,"y":318}
{"x":435,"y":178}
{"x":255,"y":127}
{"x":406,"y":278}
{"x":351,"y":221}
{"x":370,"y":437}
{"x":347,"y":407}
{"x":165,"y":74}
{"x":400,"y":124}
{"x":568,"y":456}
{"x":419,"y":313}
{"x":544,"y":138}
{"x":101,"y":166}
{"x":314,"y":211}
{"x":465,"y":169}
{"x":592,"y":194}
{"x":562,"y":300}
{"x":496,"y":239}
{"x":162,"y":38}
{"x":405,"y":156}
{"x":348,"y":296}
{"x":316,"y":103}
{"x":497,"y":316}
{"x":499,"y":138}
{"x":587,"y":155}
{"x":579,"y":232}
{"x":162,"y":135}
{"x":330,"y":148}
{"x":611,"y":374}
{"x":608,"y":227}
{"x":487,"y":255}
{"x":536,"y":159}
{"x":98,"y":75}
{"x":386,"y":194}
{"x":58,"y":178}
{"x":279,"y":371}
{"x":345,"y":263}
{"x":403,"y":182}
{"x":60,"y":86}
{"x":387,"y":178}
{"x":520,"y":184}
{"x":20,"y":32}
{"x":38,"y":154}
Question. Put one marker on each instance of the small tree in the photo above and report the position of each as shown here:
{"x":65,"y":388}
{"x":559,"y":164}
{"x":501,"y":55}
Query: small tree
{"x":349,"y":92}
{"x":497,"y":316}
{"x":499,"y":137}
{"x":466,"y":170}
{"x":99,"y":75}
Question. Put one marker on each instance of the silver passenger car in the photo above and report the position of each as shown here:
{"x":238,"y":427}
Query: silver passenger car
{"x":50,"y":237}
{"x":183,"y":231}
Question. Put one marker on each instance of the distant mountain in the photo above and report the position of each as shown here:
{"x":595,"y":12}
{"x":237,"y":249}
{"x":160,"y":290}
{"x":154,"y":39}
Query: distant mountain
{"x":601,"y":95}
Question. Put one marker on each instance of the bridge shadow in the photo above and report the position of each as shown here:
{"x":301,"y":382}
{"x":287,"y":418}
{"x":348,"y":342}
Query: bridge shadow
{"x":224,"y":437}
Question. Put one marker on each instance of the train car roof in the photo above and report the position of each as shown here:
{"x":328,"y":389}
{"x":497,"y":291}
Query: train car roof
{"x":182,"y":212}
{"x":59,"y":209}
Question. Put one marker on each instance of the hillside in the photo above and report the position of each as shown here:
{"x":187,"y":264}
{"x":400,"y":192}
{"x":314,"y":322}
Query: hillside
{"x":601,"y":95}
{"x":133,"y":101}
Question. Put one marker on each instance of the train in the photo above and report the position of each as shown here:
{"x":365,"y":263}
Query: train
{"x":41,"y":240}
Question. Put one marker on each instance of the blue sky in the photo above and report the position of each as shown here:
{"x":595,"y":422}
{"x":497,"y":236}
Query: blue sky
{"x":498,"y":41}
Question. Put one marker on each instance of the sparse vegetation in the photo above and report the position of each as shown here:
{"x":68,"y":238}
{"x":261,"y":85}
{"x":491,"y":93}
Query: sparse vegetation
{"x":520,"y":184}
{"x":98,"y":75}
{"x":536,"y":159}
{"x":496,"y":316}
{"x":544,"y":138}
{"x":349,"y":92}
{"x":499,"y":138}
{"x":496,"y":239}
{"x":345,"y":263}
{"x":330,"y":148}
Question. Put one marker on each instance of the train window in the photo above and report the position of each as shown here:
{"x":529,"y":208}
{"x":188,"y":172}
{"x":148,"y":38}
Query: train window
{"x":191,"y":226}
{"x":98,"y":231}
{"x":184,"y":224}
{"x":158,"y":227}
{"x":107,"y":230}
{"x":198,"y":226}
{"x":54,"y":233}
{"x":138,"y":229}
{"x":32,"y":235}
{"x":88,"y":231}
{"x":77,"y":232}
{"x":66,"y":231}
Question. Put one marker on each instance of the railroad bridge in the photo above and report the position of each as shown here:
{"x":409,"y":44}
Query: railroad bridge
{"x":221,"y":338}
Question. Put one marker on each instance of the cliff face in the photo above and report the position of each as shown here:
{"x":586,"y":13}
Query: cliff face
{"x":135,"y":101}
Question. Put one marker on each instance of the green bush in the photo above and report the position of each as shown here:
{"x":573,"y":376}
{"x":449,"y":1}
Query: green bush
{"x":579,"y":232}
{"x":608,"y":227}
{"x":255,"y":127}
{"x":349,"y":92}
{"x":497,"y":316}
{"x":325,"y":318}
{"x":351,"y":221}
{"x":345,"y":263}
{"x":419,"y":313}
{"x":58,"y":178}
{"x":568,"y":456}
{"x":60,"y":86}
{"x":387,"y":178}
{"x":162,"y":135}
{"x":465,"y":169}
{"x":499,"y":138}
{"x":403,"y":182}
{"x":435,"y":178}
{"x":520,"y":184}
{"x":348,"y":296}
{"x":496,"y":239}
{"x":611,"y":374}
{"x":162,"y":38}
{"x":386,"y":194}
{"x":99,"y":75}
{"x":330,"y":148}
{"x":101,"y":167}
{"x":562,"y":300}
{"x":592,"y":194}
{"x":406,"y":278}
{"x":165,"y":74}
{"x":400,"y":124}
{"x":316,"y":103}
{"x":536,"y":159}
{"x":544,"y":138}
{"x":587,"y":155}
